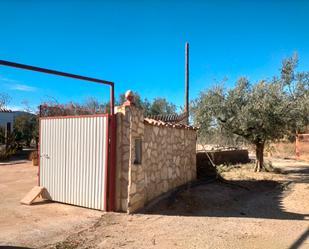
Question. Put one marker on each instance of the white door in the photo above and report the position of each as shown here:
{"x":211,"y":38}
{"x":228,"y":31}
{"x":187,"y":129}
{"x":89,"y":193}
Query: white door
{"x":73,"y":159}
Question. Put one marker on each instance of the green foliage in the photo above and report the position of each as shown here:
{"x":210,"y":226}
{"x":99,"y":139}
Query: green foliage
{"x":26,"y":128}
{"x":157,"y":106}
{"x":261,"y":112}
{"x":255,"y":112}
{"x":296,"y":85}
{"x":2,"y":135}
{"x":8,"y":144}
{"x":221,"y":137}
{"x":139,"y":102}
{"x":160,"y":106}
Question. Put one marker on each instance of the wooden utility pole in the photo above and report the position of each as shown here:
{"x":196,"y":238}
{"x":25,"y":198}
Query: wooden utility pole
{"x":187,"y":82}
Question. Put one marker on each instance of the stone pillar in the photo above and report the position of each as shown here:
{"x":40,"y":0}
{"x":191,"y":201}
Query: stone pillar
{"x":122,"y":157}
{"x":130,"y":186}
{"x":136,"y":186}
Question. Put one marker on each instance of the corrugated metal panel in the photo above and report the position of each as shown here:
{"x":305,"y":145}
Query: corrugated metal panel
{"x":73,"y":159}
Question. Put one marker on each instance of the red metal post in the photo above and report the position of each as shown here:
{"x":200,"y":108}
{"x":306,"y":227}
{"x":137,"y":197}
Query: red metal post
{"x":106,"y":177}
{"x":112,"y":99}
{"x":112,"y":155}
{"x":297,"y":152}
{"x":39,"y":144}
{"x":112,"y":165}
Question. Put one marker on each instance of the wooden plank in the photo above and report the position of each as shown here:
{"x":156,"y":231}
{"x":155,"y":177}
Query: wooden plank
{"x":33,"y":194}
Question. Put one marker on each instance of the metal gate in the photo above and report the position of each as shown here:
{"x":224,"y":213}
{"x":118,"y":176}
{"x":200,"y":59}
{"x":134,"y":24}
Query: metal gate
{"x":74,"y":159}
{"x":78,"y":153}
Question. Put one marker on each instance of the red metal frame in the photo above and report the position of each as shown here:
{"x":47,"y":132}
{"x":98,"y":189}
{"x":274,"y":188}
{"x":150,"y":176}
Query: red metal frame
{"x":39,"y":153}
{"x":106,"y":207}
{"x":77,"y":116}
{"x":112,"y":124}
{"x":112,"y":161}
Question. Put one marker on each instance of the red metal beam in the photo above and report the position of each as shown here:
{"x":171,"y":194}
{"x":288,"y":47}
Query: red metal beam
{"x":49,"y":71}
{"x":63,"y":74}
{"x":112,"y":105}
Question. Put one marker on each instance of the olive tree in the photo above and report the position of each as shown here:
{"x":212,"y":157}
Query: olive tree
{"x":260,"y":113}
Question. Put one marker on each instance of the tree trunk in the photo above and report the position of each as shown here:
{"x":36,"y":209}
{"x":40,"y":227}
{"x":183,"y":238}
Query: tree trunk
{"x":259,"y":152}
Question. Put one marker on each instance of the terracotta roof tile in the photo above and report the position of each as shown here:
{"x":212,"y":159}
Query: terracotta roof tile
{"x":5,"y":110}
{"x":154,"y":122}
{"x":171,"y":118}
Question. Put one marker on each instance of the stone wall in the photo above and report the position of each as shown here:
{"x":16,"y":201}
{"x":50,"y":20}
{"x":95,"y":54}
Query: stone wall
{"x":168,"y":159}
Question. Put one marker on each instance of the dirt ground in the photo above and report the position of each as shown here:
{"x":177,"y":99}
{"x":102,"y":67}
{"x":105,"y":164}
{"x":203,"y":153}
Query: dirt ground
{"x":251,"y":210}
{"x":37,"y":225}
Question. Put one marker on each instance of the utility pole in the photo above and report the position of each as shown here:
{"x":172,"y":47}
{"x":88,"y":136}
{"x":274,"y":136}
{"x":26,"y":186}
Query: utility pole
{"x":187,"y":82}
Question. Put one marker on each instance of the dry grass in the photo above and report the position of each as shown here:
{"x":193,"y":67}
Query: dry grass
{"x":304,"y":150}
{"x":246,"y":172}
{"x":288,"y":150}
{"x":282,"y":150}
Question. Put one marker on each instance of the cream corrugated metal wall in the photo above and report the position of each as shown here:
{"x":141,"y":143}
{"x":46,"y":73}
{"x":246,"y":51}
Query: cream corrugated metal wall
{"x":73,"y":159}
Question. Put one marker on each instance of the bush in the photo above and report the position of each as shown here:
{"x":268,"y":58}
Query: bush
{"x":9,"y":148}
{"x":7,"y":153}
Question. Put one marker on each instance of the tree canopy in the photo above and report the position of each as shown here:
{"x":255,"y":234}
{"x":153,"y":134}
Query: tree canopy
{"x":159,"y":105}
{"x":296,"y":85}
{"x":260,"y":112}
{"x":26,"y":128}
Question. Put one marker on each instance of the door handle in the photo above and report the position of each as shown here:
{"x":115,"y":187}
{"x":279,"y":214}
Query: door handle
{"x":46,"y":156}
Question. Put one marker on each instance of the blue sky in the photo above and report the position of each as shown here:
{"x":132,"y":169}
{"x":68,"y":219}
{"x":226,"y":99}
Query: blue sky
{"x":140,"y":45}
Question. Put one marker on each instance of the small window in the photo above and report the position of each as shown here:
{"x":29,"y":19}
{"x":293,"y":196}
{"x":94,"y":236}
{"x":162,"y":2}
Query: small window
{"x":138,"y":151}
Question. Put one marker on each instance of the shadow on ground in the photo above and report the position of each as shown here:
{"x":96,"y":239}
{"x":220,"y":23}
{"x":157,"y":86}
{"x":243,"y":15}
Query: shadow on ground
{"x":300,"y":240}
{"x":299,"y":175}
{"x":241,"y":198}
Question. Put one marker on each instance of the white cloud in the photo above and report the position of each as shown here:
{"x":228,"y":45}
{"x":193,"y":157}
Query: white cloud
{"x":16,"y":85}
{"x":7,"y":80}
{"x":22,"y":87}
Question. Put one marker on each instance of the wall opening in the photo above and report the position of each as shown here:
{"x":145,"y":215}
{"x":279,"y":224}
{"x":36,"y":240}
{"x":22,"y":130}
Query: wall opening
{"x":138,"y":151}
